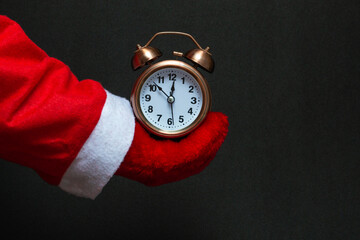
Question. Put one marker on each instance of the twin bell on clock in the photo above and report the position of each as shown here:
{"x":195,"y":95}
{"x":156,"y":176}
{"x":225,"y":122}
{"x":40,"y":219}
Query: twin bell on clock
{"x":171,"y":98}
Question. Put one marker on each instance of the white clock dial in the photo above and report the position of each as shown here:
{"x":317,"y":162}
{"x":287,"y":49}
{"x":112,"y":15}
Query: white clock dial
{"x":166,"y":109}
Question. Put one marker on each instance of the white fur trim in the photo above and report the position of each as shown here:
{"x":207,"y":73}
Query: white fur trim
{"x":103,"y":151}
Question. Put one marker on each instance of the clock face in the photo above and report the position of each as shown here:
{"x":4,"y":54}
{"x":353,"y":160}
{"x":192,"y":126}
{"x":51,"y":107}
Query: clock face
{"x":171,"y":99}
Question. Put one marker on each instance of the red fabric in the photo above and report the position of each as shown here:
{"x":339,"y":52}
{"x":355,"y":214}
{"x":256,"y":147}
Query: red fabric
{"x":155,"y":161}
{"x":46,"y":114}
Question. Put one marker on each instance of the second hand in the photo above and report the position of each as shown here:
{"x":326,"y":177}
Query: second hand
{"x":171,"y":94}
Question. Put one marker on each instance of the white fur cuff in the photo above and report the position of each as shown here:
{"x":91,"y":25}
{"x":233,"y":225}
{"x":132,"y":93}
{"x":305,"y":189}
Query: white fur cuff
{"x":103,"y":151}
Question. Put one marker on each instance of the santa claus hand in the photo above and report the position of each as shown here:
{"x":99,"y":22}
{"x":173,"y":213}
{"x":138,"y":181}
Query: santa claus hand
{"x":154,"y":161}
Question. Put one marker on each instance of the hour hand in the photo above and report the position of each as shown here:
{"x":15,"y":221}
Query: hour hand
{"x":173,"y":88}
{"x":160,"y":88}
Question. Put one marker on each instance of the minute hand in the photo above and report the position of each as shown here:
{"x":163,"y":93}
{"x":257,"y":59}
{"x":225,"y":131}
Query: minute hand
{"x":160,"y":88}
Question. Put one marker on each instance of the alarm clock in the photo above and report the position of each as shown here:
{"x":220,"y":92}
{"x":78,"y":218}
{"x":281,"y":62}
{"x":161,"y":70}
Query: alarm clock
{"x":171,"y":98}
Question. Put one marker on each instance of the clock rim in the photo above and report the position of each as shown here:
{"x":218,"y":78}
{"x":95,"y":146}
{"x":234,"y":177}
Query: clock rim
{"x":135,"y":98}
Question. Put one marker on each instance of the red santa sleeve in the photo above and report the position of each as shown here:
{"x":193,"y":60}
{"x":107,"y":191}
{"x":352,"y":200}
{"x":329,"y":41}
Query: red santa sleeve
{"x":73,"y":133}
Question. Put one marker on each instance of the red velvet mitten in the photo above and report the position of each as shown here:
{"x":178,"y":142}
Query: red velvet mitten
{"x":155,"y":161}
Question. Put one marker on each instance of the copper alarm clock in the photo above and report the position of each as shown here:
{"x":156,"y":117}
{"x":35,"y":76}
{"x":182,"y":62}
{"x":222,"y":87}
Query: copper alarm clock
{"x":171,"y":97}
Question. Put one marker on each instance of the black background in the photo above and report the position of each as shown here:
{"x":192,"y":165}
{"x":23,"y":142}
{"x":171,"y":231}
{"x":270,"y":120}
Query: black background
{"x":287,"y":75}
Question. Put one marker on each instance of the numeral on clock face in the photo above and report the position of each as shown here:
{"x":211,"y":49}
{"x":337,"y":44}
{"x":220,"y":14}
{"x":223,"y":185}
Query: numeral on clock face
{"x":171,"y":99}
